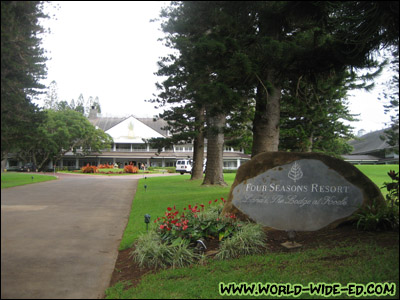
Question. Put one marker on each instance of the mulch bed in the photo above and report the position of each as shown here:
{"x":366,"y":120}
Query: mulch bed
{"x":126,"y":270}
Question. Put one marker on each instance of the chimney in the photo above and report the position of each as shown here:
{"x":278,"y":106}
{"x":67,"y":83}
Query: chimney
{"x":93,"y":112}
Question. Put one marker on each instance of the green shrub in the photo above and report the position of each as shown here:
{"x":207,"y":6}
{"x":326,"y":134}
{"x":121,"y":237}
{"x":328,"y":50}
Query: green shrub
{"x":171,"y":169}
{"x":151,"y":251}
{"x":374,"y":217}
{"x":196,"y":222}
{"x":182,"y":255}
{"x":172,"y":241}
{"x":392,"y":197}
{"x":249,"y":240}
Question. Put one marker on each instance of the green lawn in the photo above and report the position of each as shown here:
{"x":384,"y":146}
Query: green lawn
{"x":378,"y":173}
{"x":362,"y":264}
{"x":10,"y":179}
{"x":162,"y":192}
{"x":368,"y":262}
{"x":181,"y":191}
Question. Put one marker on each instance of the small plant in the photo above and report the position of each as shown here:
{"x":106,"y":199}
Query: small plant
{"x":105,"y":166}
{"x":151,"y":251}
{"x":182,"y":254}
{"x":89,"y":169}
{"x":131,"y":169}
{"x":248,"y":240}
{"x":392,"y":196}
{"x":375,"y":217}
{"x":173,"y":239}
{"x":196,"y":222}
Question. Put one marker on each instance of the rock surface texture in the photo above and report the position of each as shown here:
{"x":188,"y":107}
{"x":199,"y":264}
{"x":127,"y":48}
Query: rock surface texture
{"x":299,"y":191}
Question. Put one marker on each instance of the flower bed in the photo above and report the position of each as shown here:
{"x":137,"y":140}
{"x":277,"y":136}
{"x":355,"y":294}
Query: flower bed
{"x":89,"y":169}
{"x":180,"y":237}
{"x":131,"y":169}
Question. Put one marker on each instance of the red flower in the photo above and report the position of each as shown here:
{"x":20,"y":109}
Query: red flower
{"x":209,"y":202}
{"x":169,"y":208}
{"x":215,"y":200}
{"x":184,"y":227}
{"x":162,"y":226}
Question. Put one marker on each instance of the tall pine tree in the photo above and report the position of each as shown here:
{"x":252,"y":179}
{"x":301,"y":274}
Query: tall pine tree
{"x":22,"y":68}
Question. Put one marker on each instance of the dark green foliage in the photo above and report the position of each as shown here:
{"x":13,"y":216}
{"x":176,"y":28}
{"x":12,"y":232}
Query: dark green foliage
{"x":22,"y":67}
{"x":391,"y":96}
{"x":268,"y":55}
{"x":393,"y":189}
{"x":63,"y":131}
{"x":312,"y":115}
{"x":386,"y":217}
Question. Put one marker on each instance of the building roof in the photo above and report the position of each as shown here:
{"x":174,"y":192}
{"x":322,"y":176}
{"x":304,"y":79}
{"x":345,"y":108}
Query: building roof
{"x":361,"y":158}
{"x":156,"y":124}
{"x":369,"y":142}
{"x":106,"y":123}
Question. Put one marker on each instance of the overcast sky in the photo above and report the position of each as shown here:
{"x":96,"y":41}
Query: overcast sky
{"x":110,"y":50}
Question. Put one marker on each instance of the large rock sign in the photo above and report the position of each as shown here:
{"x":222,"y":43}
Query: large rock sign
{"x":299,"y":191}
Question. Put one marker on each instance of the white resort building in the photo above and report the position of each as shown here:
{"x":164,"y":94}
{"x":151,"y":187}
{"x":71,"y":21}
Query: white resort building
{"x":129,"y":135}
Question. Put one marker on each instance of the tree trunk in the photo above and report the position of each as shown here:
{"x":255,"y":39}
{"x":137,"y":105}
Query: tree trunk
{"x":215,"y":148}
{"x":266,"y":120}
{"x":310,"y":142}
{"x":198,"y":148}
{"x":4,"y":156}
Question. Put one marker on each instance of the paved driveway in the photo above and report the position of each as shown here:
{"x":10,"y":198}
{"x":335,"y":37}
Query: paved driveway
{"x":59,"y":239}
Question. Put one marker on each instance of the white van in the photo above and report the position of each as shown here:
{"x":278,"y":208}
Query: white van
{"x":184,"y":166}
